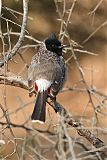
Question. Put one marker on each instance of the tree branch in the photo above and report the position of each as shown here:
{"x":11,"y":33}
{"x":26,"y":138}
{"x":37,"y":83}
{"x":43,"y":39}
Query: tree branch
{"x":22,"y":35}
{"x":12,"y":80}
{"x":17,"y":81}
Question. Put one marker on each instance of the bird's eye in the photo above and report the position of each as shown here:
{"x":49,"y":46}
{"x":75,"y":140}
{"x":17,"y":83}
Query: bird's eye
{"x":53,"y":45}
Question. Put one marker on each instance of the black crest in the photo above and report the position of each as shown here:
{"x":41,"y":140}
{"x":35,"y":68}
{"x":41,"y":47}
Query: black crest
{"x":53,"y":44}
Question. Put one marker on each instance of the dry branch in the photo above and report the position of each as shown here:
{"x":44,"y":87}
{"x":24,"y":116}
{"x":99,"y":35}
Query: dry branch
{"x":13,"y":80}
{"x":17,"y":81}
{"x":22,"y":35}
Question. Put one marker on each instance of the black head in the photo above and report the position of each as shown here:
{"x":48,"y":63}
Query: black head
{"x":53,"y":44}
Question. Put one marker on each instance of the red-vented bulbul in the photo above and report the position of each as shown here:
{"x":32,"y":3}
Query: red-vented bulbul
{"x":46,"y":74}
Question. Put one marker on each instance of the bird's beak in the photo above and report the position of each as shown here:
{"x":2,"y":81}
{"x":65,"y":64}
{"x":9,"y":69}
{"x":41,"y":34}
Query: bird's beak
{"x":62,"y":46}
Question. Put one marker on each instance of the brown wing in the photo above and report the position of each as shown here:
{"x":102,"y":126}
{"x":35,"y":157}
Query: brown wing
{"x":58,"y":84}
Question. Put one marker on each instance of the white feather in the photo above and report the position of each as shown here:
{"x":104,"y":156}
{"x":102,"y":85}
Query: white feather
{"x":43,"y":84}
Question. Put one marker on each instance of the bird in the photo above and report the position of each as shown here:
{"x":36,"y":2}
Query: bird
{"x":46,"y":75}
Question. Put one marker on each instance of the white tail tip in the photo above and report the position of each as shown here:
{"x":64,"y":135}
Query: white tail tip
{"x":37,"y":121}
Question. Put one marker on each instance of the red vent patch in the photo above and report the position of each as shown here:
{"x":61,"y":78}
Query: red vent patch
{"x":36,"y":87}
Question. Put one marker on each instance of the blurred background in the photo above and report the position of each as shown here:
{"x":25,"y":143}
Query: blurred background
{"x":87,"y":17}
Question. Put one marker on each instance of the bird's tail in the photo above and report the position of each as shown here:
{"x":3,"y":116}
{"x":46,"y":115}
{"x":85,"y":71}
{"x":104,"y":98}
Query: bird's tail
{"x":40,"y":107}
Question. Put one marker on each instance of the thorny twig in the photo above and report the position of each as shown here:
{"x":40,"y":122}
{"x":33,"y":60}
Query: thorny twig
{"x":17,"y":81}
{"x":79,"y":67}
{"x":63,"y":112}
{"x":22,"y":35}
{"x":96,"y":30}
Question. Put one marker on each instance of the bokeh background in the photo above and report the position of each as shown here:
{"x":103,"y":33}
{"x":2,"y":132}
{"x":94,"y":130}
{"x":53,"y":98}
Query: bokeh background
{"x":44,"y":20}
